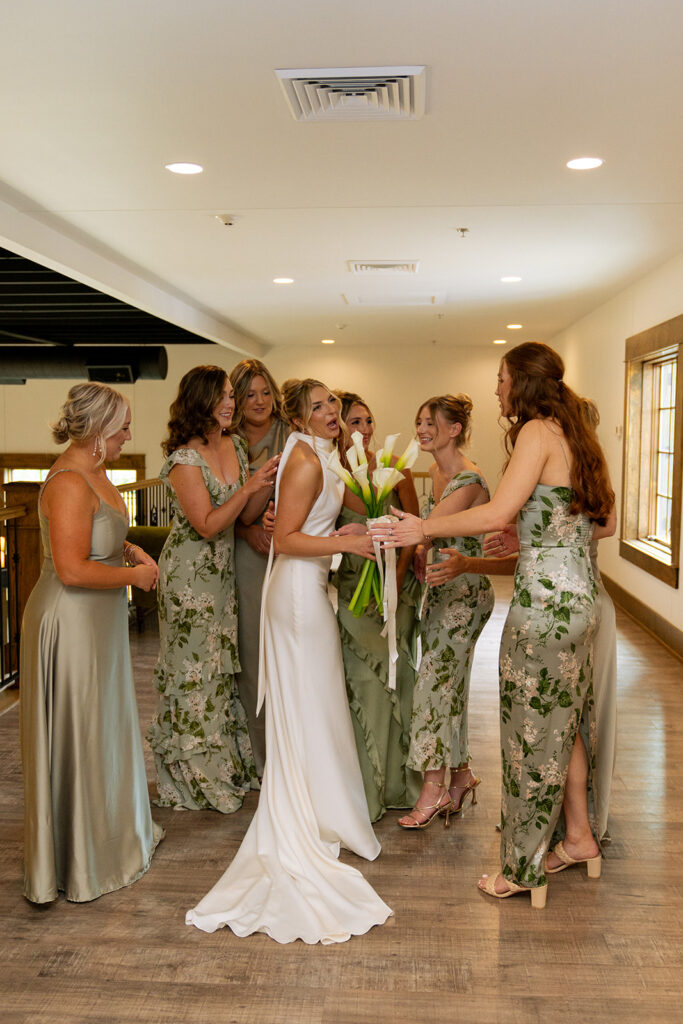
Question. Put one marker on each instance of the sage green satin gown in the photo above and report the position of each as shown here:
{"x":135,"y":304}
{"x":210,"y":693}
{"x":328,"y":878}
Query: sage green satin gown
{"x":88,"y":826}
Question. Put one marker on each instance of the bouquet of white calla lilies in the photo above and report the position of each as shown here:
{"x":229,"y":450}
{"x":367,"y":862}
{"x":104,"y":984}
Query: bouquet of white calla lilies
{"x":373,"y":491}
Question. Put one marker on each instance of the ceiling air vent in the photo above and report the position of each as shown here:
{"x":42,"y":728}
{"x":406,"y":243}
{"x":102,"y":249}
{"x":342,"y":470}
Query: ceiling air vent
{"x":381,"y":267}
{"x":354,"y":94}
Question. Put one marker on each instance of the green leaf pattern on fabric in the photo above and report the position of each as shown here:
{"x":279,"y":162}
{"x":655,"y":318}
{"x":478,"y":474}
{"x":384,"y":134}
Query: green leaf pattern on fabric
{"x":546,"y":690}
{"x":199,"y":735}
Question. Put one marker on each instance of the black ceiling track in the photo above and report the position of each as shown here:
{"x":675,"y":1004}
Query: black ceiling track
{"x":40,"y":306}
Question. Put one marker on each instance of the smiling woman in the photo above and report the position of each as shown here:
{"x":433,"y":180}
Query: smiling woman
{"x":88,"y":827}
{"x":199,"y":736}
{"x":286,"y":879}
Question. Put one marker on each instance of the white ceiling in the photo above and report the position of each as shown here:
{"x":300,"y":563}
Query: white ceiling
{"x":96,"y":97}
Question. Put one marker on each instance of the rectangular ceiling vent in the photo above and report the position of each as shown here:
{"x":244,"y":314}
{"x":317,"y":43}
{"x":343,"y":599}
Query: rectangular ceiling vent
{"x":354,"y":94}
{"x":382,"y":267}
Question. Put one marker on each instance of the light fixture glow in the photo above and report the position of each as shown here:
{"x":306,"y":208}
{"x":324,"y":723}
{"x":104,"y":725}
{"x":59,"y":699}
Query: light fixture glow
{"x":499,"y":341}
{"x":327,"y":341}
{"x":510,"y":279}
{"x":514,"y":327}
{"x":283,"y":280}
{"x":184,"y":168}
{"x":585,"y":163}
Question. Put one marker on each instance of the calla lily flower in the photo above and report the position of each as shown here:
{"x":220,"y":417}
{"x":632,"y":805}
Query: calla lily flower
{"x":357,"y":439}
{"x":385,"y":478}
{"x":384,"y":456}
{"x":352,"y":458}
{"x":360,"y":475}
{"x":409,"y":457}
{"x":334,"y":463}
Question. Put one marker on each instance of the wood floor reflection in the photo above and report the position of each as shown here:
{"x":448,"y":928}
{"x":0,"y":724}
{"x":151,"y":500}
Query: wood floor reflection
{"x":601,"y":951}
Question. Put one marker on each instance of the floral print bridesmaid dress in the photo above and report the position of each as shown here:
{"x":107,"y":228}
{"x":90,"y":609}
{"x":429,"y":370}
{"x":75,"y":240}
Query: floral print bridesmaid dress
{"x":455,"y":614}
{"x":199,"y":736}
{"x":546,"y":691}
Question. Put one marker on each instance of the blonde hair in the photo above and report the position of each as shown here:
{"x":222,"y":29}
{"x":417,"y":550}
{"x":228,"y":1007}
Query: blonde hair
{"x":297,"y":405}
{"x":91,"y":411}
{"x":454,"y":409}
{"x":241,"y":377}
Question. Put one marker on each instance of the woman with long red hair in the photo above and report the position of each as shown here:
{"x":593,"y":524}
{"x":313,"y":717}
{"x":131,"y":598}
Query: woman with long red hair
{"x":556,"y":484}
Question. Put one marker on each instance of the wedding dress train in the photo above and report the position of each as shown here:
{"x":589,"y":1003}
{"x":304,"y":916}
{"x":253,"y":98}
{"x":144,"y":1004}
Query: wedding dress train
{"x":286,"y":879}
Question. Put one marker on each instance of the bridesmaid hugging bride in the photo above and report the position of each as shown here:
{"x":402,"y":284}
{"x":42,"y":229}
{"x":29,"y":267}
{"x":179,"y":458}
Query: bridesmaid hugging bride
{"x":286,"y":879}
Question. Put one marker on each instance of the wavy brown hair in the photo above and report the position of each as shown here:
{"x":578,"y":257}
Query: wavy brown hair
{"x":454,"y":409}
{"x":241,"y":377}
{"x":191,"y":414}
{"x":538,"y":391}
{"x":348,"y":399}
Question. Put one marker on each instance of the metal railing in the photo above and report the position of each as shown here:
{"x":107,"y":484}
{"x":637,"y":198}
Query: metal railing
{"x":10,"y":611}
{"x":148,"y":503}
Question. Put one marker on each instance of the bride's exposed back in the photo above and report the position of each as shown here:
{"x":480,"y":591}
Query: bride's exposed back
{"x":286,"y":879}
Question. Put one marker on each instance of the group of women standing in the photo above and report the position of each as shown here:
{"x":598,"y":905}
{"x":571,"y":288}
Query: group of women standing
{"x":236,"y":543}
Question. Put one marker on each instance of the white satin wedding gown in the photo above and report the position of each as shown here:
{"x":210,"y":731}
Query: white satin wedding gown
{"x":286,"y":879}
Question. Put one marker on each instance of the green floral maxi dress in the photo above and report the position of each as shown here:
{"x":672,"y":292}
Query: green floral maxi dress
{"x":380,"y":716}
{"x":453,"y":619}
{"x":199,"y":736}
{"x":546,"y":691}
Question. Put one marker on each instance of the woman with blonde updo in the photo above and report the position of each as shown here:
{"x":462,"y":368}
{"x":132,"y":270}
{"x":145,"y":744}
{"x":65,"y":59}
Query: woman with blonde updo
{"x":88,"y":827}
{"x":286,"y":879}
{"x":452,"y":621}
{"x":258,"y":419}
{"x":380,"y":716}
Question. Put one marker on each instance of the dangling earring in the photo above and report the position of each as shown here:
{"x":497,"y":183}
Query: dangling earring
{"x":96,"y":447}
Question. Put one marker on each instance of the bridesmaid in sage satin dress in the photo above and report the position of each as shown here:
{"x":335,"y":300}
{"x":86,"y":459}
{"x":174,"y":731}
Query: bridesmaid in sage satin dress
{"x":88,"y":826}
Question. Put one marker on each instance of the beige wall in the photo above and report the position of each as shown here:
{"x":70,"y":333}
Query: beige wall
{"x":593,"y":350}
{"x":395,"y":381}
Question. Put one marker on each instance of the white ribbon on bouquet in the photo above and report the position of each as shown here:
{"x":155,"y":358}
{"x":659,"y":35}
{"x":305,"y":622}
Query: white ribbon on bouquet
{"x":387,"y":575}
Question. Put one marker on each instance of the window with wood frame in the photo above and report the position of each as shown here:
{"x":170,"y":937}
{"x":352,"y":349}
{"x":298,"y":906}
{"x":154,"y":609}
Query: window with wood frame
{"x":653,"y":456}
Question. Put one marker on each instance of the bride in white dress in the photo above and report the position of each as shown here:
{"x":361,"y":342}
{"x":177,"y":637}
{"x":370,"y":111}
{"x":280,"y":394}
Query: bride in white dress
{"x":286,"y":879}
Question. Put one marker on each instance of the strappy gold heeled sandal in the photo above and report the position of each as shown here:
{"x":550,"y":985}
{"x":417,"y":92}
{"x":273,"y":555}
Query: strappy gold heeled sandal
{"x":538,"y":894}
{"x":470,"y":788}
{"x":438,"y":808}
{"x":593,"y":864}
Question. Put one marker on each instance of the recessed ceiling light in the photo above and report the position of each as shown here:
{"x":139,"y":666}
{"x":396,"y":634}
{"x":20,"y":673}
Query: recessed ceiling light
{"x":283,"y":280}
{"x":514,"y":327}
{"x":510,"y":279}
{"x":500,"y":341}
{"x":585,"y":163}
{"x":185,"y":168}
{"x":327,"y":341}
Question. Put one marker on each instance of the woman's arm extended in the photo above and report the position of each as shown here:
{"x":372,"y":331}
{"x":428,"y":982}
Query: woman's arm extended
{"x":300,"y":485}
{"x":520,"y":478}
{"x":195,"y":500}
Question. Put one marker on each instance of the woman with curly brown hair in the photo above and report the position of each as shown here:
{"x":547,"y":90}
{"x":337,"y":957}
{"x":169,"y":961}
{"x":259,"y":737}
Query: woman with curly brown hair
{"x":199,"y":736}
{"x":258,"y":419}
{"x":556,"y":483}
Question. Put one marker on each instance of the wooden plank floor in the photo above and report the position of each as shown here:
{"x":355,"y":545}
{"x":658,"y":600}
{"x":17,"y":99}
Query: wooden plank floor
{"x":600,"y":952}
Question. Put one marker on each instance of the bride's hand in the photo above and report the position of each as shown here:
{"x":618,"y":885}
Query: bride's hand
{"x":348,"y":529}
{"x":357,"y":544}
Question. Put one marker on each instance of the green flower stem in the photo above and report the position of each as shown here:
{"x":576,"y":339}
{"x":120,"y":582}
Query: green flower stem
{"x":361,"y":595}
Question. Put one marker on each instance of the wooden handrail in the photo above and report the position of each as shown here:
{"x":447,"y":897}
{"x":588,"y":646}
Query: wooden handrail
{"x":12,"y":512}
{"x":140,"y":485}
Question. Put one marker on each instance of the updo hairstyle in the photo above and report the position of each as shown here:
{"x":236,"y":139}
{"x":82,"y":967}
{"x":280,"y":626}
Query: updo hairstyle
{"x":191,"y":414}
{"x":296,"y":404}
{"x":454,"y":409}
{"x":92,"y":411}
{"x":348,"y":399}
{"x":241,"y":377}
{"x":538,"y":391}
